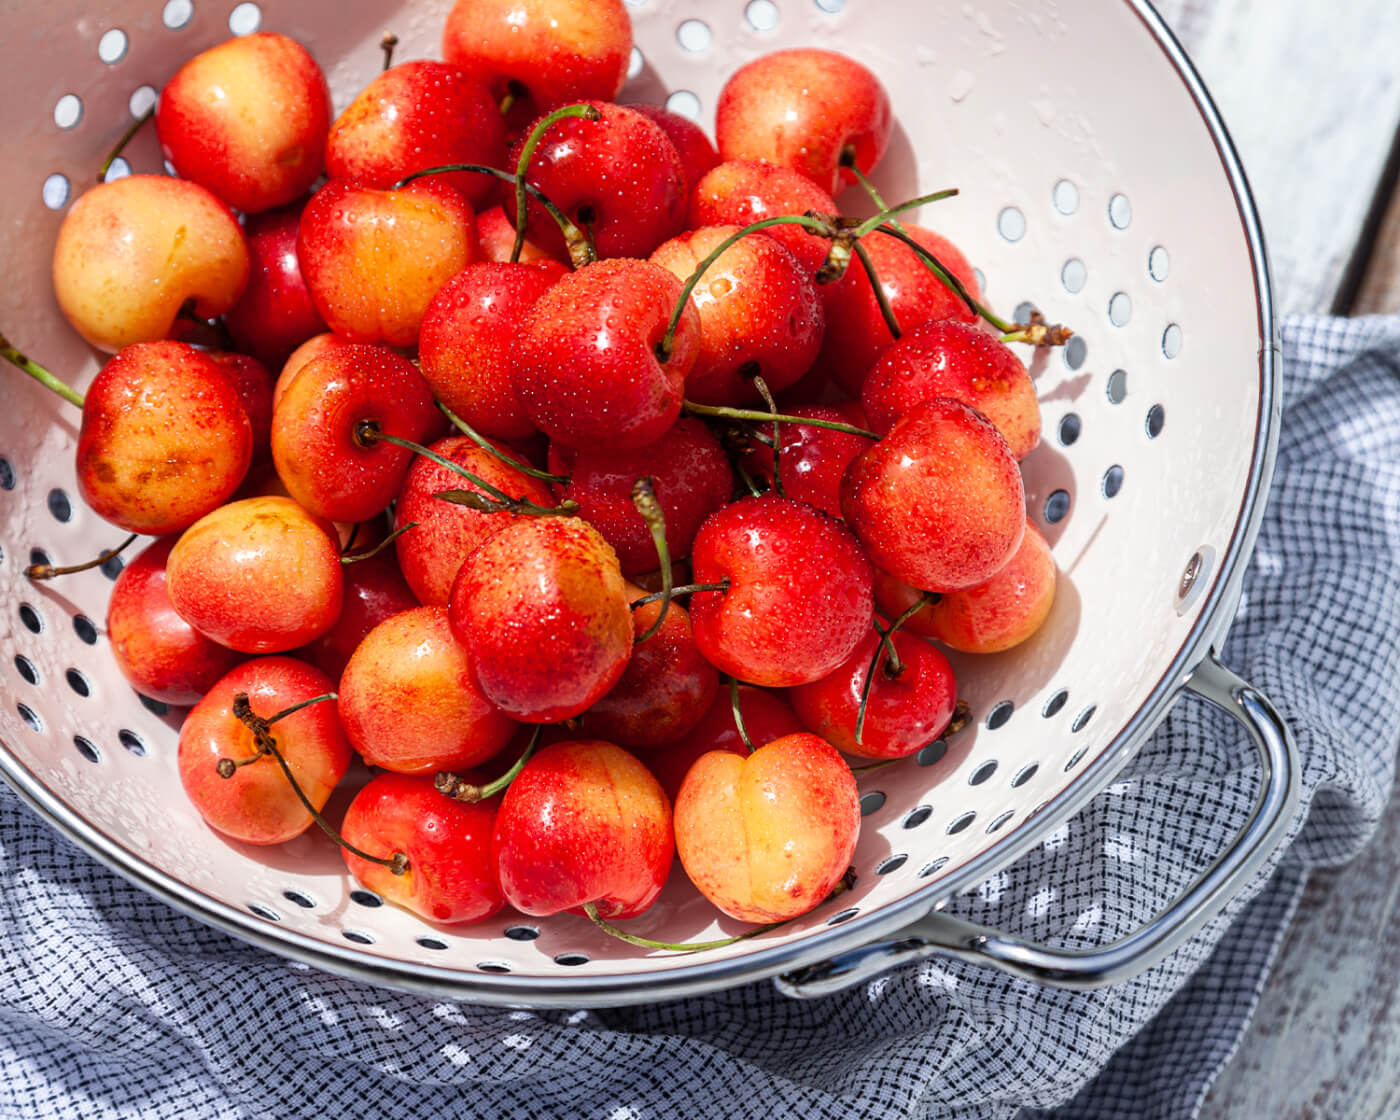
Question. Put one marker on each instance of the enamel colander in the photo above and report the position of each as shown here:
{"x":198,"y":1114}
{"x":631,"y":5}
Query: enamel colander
{"x":1097,"y":184}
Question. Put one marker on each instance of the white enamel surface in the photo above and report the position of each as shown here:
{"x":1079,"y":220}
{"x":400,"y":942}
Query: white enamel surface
{"x":1004,"y":100}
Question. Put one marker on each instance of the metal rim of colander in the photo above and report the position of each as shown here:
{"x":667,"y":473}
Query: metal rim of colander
{"x":642,"y":986}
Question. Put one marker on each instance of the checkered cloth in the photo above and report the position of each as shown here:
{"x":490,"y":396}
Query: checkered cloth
{"x":115,"y":1006}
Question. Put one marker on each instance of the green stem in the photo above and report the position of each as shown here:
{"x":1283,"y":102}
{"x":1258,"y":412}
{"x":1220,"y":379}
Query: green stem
{"x":611,"y":930}
{"x":773,"y":418}
{"x":453,"y":786}
{"x":585,"y":112}
{"x":355,"y":558}
{"x":490,"y":448}
{"x":748,"y":481}
{"x":881,"y":297}
{"x":683,"y":589}
{"x":738,"y":714}
{"x":893,"y":669}
{"x":644,"y":498}
{"x":122,"y":142}
{"x":285,"y":712}
{"x":762,"y":387}
{"x":887,"y":213}
{"x":48,"y":571}
{"x":951,"y":282}
{"x":38,"y":372}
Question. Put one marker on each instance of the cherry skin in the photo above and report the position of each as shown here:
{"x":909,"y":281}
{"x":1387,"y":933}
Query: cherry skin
{"x":958,"y":360}
{"x":768,"y":837}
{"x":252,"y":381}
{"x":260,"y":575}
{"x":451,"y":878}
{"x":495,"y":237}
{"x":313,"y":347}
{"x":541,"y":53}
{"x":665,"y":689}
{"x":409,"y":700}
{"x":584,"y":821}
{"x":275,"y":314}
{"x":812,"y":460}
{"x":445,"y":533}
{"x":908,"y":709}
{"x":619,"y":177}
{"x":856,"y":332}
{"x":374,"y":590}
{"x":804,"y":109}
{"x":417,"y":115}
{"x":759,"y":314}
{"x":468,"y":337}
{"x":767,"y":716}
{"x":586,"y":365}
{"x":161,"y":654}
{"x":697,"y":154}
{"x":257,"y":805}
{"x":164,"y":440}
{"x":799,"y":597}
{"x":543,"y":612}
{"x":248,"y":120}
{"x":690,"y":475}
{"x":132,"y":252}
{"x":937,"y":503}
{"x":323,"y":454}
{"x":374,"y":259}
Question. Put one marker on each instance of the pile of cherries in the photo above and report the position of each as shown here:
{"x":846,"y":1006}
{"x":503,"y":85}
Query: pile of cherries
{"x":612,"y":486}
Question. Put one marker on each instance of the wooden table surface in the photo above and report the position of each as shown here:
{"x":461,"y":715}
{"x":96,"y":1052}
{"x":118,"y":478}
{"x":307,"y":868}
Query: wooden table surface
{"x":1311,"y":94}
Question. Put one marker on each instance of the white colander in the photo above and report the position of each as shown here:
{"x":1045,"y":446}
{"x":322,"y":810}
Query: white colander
{"x":1097,"y":183}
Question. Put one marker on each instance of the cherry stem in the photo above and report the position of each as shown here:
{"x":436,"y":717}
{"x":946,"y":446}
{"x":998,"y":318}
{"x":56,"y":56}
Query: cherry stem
{"x":580,"y":247}
{"x":644,"y":498}
{"x":887,"y":213}
{"x":267,"y":745}
{"x":881,"y":297}
{"x":527,"y":152}
{"x":368,"y":432}
{"x":125,"y":139}
{"x":893,"y":669}
{"x":356,"y":557}
{"x":774,"y":418}
{"x":491,"y":449}
{"x":763,"y":391}
{"x":748,"y":480}
{"x":452,"y":786}
{"x":285,"y":712}
{"x":48,"y":571}
{"x":738,"y":715}
{"x":819,"y":225}
{"x":956,"y":722}
{"x":387,"y":45}
{"x":38,"y":372}
{"x":514,"y":92}
{"x":683,"y":589}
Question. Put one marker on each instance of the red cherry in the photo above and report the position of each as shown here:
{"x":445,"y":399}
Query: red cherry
{"x":496,"y":239}
{"x":813,"y":460}
{"x":252,"y":381}
{"x":741,"y":192}
{"x":275,"y":314}
{"x":939,"y":501}
{"x":697,"y":154}
{"x":799,"y":597}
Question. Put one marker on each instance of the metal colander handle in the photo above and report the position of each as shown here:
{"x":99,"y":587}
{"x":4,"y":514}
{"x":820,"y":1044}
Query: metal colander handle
{"x":942,"y":934}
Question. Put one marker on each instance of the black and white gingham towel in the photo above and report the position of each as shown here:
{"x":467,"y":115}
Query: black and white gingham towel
{"x":112,"y":1005}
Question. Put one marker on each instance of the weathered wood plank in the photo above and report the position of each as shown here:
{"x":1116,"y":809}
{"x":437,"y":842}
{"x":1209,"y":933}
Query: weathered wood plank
{"x":1380,"y":288}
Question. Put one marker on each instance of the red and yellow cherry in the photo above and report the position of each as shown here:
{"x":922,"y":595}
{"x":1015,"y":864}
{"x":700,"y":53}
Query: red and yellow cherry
{"x":467,"y":338}
{"x":690,"y":474}
{"x":535,"y":55}
{"x":586,"y":363}
{"x":939,"y":502}
{"x":767,"y":716}
{"x":799,"y":591}
{"x":665,"y":689}
{"x":417,"y":115}
{"x":132,"y":252}
{"x":451,"y":877}
{"x":996,"y":615}
{"x":256,"y":804}
{"x":584,"y":821}
{"x":495,"y":238}
{"x":697,"y":154}
{"x":260,"y":575}
{"x":248,"y":120}
{"x":805,"y":109}
{"x":410,"y":702}
{"x":768,"y":837}
{"x":275,"y":314}
{"x":759,"y":314}
{"x":542,"y":610}
{"x":374,"y":259}
{"x":445,"y":533}
{"x":164,"y":440}
{"x":313,"y":347}
{"x":618,"y":177}
{"x":812,"y":460}
{"x":161,"y":654}
{"x":856,"y":331}
{"x":911,"y":699}
{"x":958,"y":360}
{"x":326,"y":426}
{"x":373,"y":591}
